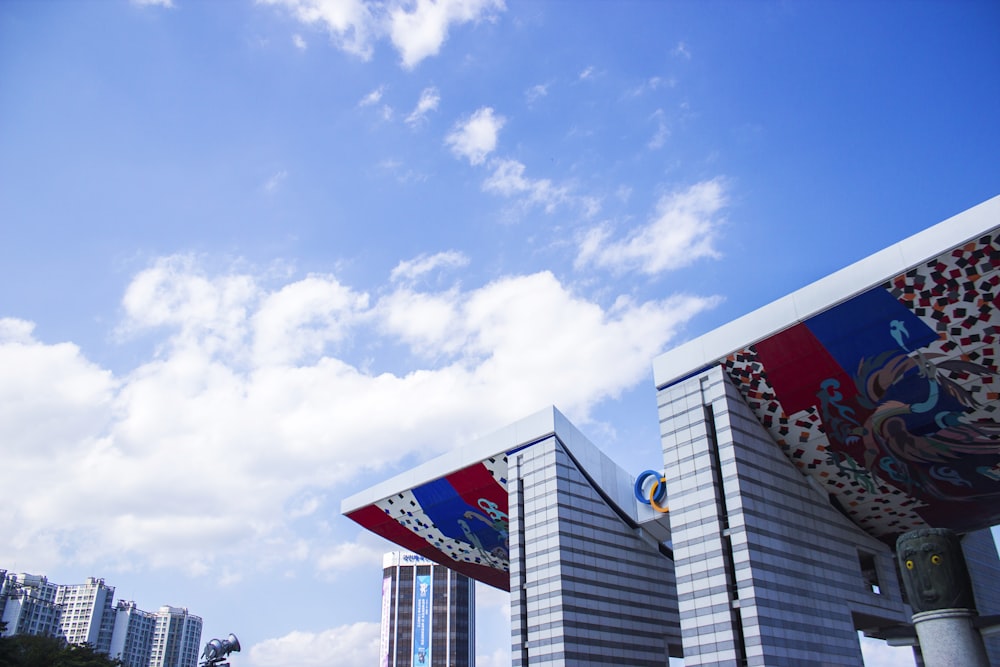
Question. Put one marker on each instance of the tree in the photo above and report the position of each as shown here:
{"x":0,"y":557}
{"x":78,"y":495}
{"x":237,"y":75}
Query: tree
{"x":84,"y":655}
{"x":36,"y":651}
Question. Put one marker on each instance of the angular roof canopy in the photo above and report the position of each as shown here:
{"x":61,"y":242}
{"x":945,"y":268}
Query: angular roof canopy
{"x":453,"y":509}
{"x":881,"y":380}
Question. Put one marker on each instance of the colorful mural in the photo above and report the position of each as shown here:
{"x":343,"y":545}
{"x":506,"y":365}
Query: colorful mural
{"x":890,"y":399}
{"x":459,"y":520}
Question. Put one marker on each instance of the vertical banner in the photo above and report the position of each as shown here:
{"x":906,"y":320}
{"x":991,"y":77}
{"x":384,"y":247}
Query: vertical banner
{"x":422,"y":621}
{"x":386,"y":610}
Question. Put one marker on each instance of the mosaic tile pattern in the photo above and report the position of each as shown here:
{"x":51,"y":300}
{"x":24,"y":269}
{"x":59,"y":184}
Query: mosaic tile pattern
{"x":891,"y":399}
{"x":462,"y":515}
{"x":405,"y":509}
{"x":875,"y":506}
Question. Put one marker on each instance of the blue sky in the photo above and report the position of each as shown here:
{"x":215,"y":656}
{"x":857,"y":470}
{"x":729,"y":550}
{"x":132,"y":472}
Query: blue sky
{"x":255,"y":256}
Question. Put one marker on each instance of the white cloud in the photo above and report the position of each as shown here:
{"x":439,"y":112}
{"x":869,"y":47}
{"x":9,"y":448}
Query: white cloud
{"x":508,"y":180}
{"x":13,"y":330}
{"x":49,"y":395}
{"x":650,"y":85}
{"x":350,"y":23}
{"x":409,"y":270}
{"x":420,"y":33}
{"x":429,"y":323}
{"x":402,"y":173}
{"x":300,"y":320}
{"x":372,"y":97}
{"x":429,"y":99}
{"x":305,"y":505}
{"x":274,"y":183}
{"x":153,"y":3}
{"x":475,"y":137}
{"x":351,"y":555}
{"x":229,"y":578}
{"x":250,"y":385}
{"x":682,"y":232}
{"x":416,"y":28}
{"x":299,"y":42}
{"x":207,"y":314}
{"x":535,"y":93}
{"x":878,"y":653}
{"x":662,"y":130}
{"x":587,"y":73}
{"x":682,"y":51}
{"x":354,"y":645}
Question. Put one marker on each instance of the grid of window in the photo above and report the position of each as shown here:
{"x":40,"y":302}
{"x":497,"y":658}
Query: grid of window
{"x":589,"y":589}
{"x":452,"y":610}
{"x":132,"y":635}
{"x":762,"y":559}
{"x":176,"y":638}
{"x":87,"y":615}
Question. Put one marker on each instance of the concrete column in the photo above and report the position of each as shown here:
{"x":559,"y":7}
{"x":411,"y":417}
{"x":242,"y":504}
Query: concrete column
{"x":948,"y":638}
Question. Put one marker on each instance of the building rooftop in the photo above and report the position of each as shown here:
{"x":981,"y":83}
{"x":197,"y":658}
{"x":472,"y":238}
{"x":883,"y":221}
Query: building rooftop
{"x":454,"y":509}
{"x":880,"y":381}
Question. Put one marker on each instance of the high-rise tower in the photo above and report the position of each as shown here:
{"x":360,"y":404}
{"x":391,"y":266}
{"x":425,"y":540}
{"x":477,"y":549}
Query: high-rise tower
{"x":132,"y":639}
{"x":176,"y":638}
{"x":87,"y":614}
{"x":28,"y":605}
{"x":428,"y":614}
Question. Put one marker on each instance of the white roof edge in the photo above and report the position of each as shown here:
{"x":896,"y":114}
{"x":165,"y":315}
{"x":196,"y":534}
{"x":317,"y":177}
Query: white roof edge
{"x":547,"y":421}
{"x":816,"y":297}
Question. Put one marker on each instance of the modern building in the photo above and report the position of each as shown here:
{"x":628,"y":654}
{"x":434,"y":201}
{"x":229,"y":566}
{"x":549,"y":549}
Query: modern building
{"x":802,"y":439}
{"x":428,"y":614}
{"x":797,"y":443}
{"x":132,"y":638}
{"x":176,"y":638}
{"x":28,"y":605}
{"x":87,"y":613}
{"x":538,"y":510}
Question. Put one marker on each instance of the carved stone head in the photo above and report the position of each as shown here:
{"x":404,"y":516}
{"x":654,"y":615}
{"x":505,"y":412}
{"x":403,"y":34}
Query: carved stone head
{"x":933,"y":568}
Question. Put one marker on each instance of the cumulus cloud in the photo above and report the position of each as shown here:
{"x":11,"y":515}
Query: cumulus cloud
{"x":350,"y":23}
{"x":429,"y":99}
{"x":417,"y":29}
{"x":508,"y":179}
{"x":475,"y":137}
{"x":248,"y":384}
{"x":354,"y":645}
{"x":682,"y":232}
{"x":300,"y":320}
{"x":50,"y":395}
{"x":349,"y":555}
{"x":299,"y":42}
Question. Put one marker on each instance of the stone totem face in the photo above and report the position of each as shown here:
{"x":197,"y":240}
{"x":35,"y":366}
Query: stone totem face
{"x":934,"y":572}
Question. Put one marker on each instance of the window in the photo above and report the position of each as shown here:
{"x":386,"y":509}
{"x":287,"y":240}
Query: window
{"x":869,"y":572}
